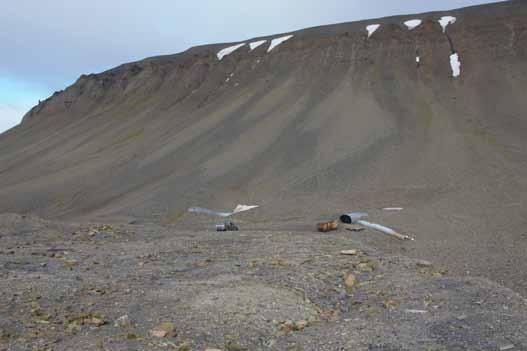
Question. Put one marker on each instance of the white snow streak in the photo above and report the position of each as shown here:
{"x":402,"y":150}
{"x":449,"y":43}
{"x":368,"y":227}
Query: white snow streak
{"x":255,"y":44}
{"x":227,"y":51}
{"x":278,"y":41}
{"x":455,"y":64}
{"x":446,"y":20}
{"x":372,"y":28}
{"x":412,"y":24}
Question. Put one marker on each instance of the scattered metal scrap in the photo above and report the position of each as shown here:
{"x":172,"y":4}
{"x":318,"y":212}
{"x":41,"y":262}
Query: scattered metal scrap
{"x":238,"y":209}
{"x":356,"y":218}
{"x":228,"y":225}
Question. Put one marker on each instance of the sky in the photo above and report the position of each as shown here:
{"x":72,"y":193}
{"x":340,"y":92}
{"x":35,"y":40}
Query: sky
{"x":46,"y":45}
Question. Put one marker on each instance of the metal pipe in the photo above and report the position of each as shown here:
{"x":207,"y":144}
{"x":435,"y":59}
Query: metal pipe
{"x":384,"y":230}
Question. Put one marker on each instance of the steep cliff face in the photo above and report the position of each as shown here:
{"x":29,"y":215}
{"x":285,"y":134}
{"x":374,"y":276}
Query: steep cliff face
{"x":329,"y":115}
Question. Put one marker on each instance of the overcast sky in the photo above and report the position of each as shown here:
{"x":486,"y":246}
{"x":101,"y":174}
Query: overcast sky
{"x":46,"y":45}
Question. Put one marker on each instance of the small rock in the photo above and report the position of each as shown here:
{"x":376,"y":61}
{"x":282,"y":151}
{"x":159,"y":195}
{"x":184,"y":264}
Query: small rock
{"x":301,"y":325}
{"x":73,"y":328}
{"x":278,"y":261}
{"x":391,"y":304}
{"x":123,"y":322}
{"x":349,"y":252}
{"x":288,"y":326}
{"x":158,"y":333}
{"x":163,"y":330}
{"x":366,"y":266}
{"x":350,"y":281}
{"x":423,"y":264}
{"x":416,"y":311}
{"x":507,"y":347}
{"x":208,"y":349}
{"x":270,"y":344}
{"x":96,"y":321}
{"x":232,"y":346}
{"x":184,"y":347}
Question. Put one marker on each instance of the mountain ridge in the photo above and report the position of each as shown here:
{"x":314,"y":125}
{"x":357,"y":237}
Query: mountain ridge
{"x":330,"y":29}
{"x":323,"y":124}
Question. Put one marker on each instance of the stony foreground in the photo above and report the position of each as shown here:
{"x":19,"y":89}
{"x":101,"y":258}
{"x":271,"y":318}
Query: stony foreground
{"x":147,"y":287}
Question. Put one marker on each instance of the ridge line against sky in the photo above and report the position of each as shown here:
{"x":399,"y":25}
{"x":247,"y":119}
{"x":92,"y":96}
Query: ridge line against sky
{"x":46,"y":48}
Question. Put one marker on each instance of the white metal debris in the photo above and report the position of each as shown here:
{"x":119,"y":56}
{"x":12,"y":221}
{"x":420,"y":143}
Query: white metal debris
{"x":393,"y":208}
{"x":278,"y":41}
{"x":384,"y":230}
{"x":243,"y":208}
{"x":372,"y":28}
{"x":455,"y":64}
{"x":238,"y":209}
{"x":356,"y":218}
{"x":412,"y":24}
{"x":255,"y":44}
{"x":227,"y":51}
{"x":446,"y":20}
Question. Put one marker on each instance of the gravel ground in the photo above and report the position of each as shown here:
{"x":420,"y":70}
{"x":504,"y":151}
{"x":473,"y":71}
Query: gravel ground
{"x":72,"y":286}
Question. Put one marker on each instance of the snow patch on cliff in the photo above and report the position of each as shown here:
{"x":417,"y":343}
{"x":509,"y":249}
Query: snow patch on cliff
{"x":278,"y":41}
{"x":455,"y":64}
{"x":227,"y":51}
{"x":372,"y":28}
{"x":412,"y":24}
{"x":446,"y":20}
{"x":255,"y":44}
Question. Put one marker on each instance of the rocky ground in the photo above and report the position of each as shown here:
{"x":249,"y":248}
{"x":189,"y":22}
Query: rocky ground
{"x":150,"y":287}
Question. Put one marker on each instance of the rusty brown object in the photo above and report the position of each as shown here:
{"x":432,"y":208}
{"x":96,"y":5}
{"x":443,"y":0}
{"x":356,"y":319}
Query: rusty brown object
{"x":328,"y":226}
